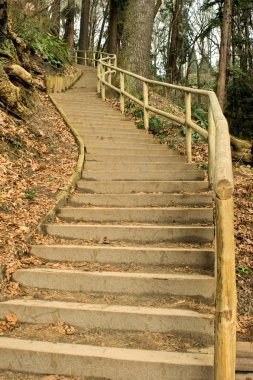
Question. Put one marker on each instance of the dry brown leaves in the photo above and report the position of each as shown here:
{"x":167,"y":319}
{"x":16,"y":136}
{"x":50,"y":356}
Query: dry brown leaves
{"x":37,"y":159}
{"x":9,"y":323}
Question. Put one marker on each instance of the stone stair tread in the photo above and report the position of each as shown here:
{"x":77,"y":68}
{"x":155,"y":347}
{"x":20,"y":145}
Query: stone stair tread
{"x":133,"y":233}
{"x":136,"y":186}
{"x":119,"y":158}
{"x":149,"y":166}
{"x":115,"y":363}
{"x":117,"y":282}
{"x":141,"y":200}
{"x":157,"y":276}
{"x":111,"y":317}
{"x":152,"y":175}
{"x":196,"y":257}
{"x":150,"y":215}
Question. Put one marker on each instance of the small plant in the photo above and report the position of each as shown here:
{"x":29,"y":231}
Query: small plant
{"x":204,"y":167}
{"x":140,"y":125}
{"x":29,"y":194}
{"x":129,"y":105}
{"x":242,"y":269}
{"x":138,"y":113}
{"x":156,"y":125}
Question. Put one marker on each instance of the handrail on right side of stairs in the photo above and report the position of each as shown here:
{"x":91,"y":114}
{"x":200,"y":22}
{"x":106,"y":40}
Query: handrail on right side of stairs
{"x":220,"y":177}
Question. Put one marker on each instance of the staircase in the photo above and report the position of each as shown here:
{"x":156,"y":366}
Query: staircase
{"x":130,"y":266}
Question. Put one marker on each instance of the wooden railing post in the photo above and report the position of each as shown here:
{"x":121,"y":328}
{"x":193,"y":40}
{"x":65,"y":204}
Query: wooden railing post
{"x":110,"y":72}
{"x":211,"y":145}
{"x":122,"y":96}
{"x":98,"y":78}
{"x":94,"y":59}
{"x":103,"y":80}
{"x":85,"y":58}
{"x":145,"y":104}
{"x":115,"y":61}
{"x":225,"y":312}
{"x":188,"y":117}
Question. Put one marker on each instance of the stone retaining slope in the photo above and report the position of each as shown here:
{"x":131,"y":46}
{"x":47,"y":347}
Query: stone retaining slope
{"x":139,"y":235}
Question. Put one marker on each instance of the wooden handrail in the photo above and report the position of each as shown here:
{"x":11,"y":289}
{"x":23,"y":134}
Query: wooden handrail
{"x":220,"y":178}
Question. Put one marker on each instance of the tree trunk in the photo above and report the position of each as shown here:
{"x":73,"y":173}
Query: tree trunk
{"x":84,"y":26}
{"x":172,"y":43}
{"x":136,"y":40}
{"x":70,"y":24}
{"x":113,"y":27}
{"x":105,"y":16}
{"x":11,"y":95}
{"x":157,"y":7}
{"x":56,"y":17}
{"x":224,"y":52}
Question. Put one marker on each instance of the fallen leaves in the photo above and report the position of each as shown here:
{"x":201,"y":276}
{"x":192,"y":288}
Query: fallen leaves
{"x":63,"y":328}
{"x":36,"y":161}
{"x":10,"y":321}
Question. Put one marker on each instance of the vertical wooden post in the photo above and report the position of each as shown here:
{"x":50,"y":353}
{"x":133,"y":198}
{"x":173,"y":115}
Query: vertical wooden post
{"x":110,"y":72}
{"x":211,"y":145}
{"x":225,"y":314}
{"x":94,"y":59}
{"x":188,"y":116}
{"x":122,"y":96}
{"x":98,"y":77}
{"x":145,"y":104}
{"x":85,"y":58}
{"x":103,"y":81}
{"x":115,"y":60}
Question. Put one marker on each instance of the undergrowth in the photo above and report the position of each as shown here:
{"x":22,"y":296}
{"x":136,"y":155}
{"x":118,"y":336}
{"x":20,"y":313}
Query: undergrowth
{"x":50,"y":48}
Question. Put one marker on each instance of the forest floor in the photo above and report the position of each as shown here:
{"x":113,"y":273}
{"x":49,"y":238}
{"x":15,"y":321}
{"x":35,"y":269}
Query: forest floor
{"x":36,"y":161}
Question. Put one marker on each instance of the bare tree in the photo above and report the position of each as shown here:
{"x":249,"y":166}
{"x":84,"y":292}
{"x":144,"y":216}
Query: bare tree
{"x":70,"y":24}
{"x":84,"y":25}
{"x":224,"y":51}
{"x":112,"y":27}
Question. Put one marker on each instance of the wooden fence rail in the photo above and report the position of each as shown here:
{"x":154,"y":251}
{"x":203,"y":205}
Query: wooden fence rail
{"x":220,"y":178}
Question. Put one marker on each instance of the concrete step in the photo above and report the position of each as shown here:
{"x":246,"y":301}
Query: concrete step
{"x":114,"y":133}
{"x":109,"y":317}
{"x":119,"y":140}
{"x":134,"y":158}
{"x":145,"y":151}
{"x":150,"y":215}
{"x":102,"y":119}
{"x":132,"y":187}
{"x":150,"y":145}
{"x":118,"y":128}
{"x":133,"y":233}
{"x":145,"y":166}
{"x":112,"y":126}
{"x":193,"y":285}
{"x":112,"y":363}
{"x":148,"y":175}
{"x":190,"y":257}
{"x":141,"y":200}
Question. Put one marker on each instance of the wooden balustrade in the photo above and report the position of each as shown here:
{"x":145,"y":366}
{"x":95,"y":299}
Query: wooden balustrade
{"x":220,"y":179}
